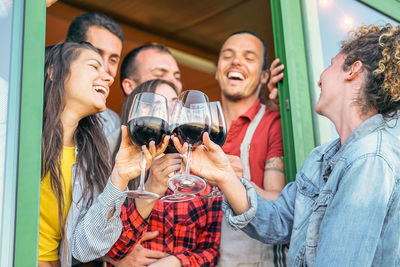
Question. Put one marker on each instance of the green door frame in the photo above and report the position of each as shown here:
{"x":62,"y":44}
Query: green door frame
{"x":294,"y":38}
{"x":296,"y":110}
{"x":390,"y":8}
{"x":30,"y":129}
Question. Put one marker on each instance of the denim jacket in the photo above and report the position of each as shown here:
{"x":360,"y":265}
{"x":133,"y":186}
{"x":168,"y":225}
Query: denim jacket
{"x":342,"y":210}
{"x":89,"y":233}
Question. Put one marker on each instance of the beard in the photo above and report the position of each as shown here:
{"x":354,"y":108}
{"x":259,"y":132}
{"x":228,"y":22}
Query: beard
{"x":236,"y":97}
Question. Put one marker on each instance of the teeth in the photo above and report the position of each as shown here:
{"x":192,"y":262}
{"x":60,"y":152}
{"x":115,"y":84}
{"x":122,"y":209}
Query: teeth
{"x":100,"y":89}
{"x":235,"y":75}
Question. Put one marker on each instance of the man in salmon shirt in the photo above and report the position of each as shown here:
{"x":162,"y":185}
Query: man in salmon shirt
{"x":254,"y":134}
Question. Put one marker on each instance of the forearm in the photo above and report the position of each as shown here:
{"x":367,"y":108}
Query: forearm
{"x":145,"y":206}
{"x":274,"y":179}
{"x":265,"y":193}
{"x":97,"y":231}
{"x":236,"y":194}
{"x":170,"y":261}
{"x":203,"y":257}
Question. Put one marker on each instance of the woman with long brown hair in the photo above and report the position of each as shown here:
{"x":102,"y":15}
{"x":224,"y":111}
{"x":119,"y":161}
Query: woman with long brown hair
{"x":76,"y":158}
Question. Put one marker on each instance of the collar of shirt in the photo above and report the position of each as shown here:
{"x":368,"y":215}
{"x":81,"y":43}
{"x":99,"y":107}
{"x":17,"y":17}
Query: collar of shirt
{"x":252,"y":111}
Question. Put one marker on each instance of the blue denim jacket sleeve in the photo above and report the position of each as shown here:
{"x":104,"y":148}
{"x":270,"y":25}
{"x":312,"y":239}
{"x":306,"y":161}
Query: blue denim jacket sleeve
{"x":354,"y":221}
{"x":267,"y":221}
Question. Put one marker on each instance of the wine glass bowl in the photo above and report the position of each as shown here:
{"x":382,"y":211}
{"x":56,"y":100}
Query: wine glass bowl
{"x":217,"y":135}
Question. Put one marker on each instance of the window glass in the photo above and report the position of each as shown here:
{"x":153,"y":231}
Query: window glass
{"x":337,"y":18}
{"x":5,"y":52}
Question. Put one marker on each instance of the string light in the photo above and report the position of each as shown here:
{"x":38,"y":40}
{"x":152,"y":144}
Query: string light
{"x":325,"y":3}
{"x":347,"y":22}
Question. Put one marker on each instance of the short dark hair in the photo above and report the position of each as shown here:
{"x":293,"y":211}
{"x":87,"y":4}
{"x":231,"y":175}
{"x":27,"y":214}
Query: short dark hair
{"x":77,"y":31}
{"x":128,"y":66}
{"x":265,"y":57}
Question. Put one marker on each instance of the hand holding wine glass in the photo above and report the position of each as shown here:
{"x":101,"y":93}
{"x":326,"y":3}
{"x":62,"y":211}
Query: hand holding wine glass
{"x":208,"y":161}
{"x":148,"y":123}
{"x":129,"y":158}
{"x":190,"y":119}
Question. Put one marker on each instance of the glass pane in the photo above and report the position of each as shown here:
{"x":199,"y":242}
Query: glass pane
{"x":5,"y":52}
{"x":337,"y":18}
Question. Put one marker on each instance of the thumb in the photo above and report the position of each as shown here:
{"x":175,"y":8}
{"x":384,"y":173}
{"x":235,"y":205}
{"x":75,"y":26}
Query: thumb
{"x":208,"y":143}
{"x":148,"y":236}
{"x":125,"y":140}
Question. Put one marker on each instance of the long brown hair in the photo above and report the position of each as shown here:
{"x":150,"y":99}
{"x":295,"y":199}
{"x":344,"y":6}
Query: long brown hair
{"x":148,"y":86}
{"x":93,"y":153}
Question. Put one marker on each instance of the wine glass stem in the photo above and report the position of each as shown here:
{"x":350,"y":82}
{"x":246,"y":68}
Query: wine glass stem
{"x":189,"y":152}
{"x":142,"y":173}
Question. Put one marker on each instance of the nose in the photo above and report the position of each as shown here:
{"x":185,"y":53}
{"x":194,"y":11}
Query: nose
{"x":176,"y":82}
{"x":107,"y":78}
{"x":236,"y":60}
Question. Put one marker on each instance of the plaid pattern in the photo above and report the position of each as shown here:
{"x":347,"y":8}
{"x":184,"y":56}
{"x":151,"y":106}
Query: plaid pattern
{"x":190,"y":230}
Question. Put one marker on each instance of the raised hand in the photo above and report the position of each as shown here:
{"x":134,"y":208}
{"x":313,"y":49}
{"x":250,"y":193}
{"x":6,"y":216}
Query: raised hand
{"x":208,"y":160}
{"x":160,"y":170}
{"x":276,"y":75}
{"x":129,"y":158}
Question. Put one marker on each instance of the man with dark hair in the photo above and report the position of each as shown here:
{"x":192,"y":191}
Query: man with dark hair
{"x":106,"y":35}
{"x":254,"y":134}
{"x":147,"y":62}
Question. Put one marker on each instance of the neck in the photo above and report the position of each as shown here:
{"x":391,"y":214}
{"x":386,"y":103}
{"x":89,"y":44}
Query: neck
{"x":70,"y":123}
{"x":349,"y":120}
{"x":233,"y":109}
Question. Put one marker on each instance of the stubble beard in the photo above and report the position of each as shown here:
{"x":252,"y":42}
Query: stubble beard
{"x":236,"y":97}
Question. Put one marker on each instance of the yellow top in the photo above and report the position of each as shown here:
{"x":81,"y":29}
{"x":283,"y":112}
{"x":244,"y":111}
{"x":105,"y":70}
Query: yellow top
{"x":49,"y":230}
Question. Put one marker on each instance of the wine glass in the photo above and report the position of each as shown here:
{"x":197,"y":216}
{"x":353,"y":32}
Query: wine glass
{"x":217,"y":135}
{"x":190,"y":118}
{"x":147,"y":121}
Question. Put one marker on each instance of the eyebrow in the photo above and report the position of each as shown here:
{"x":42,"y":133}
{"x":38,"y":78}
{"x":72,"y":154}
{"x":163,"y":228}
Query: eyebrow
{"x":112,"y":55}
{"x":227,"y":50}
{"x":96,"y":61}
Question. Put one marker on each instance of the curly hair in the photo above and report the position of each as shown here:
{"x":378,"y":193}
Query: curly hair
{"x":378,"y":48}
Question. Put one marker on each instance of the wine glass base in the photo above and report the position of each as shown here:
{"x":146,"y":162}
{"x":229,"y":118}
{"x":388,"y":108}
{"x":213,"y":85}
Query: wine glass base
{"x":213,"y":194}
{"x":141,"y":194}
{"x":186,"y":184}
{"x":178,"y":197}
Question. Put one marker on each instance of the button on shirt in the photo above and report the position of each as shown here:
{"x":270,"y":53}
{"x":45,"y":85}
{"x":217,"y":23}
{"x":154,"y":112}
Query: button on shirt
{"x":266,"y":142}
{"x":344,"y":207}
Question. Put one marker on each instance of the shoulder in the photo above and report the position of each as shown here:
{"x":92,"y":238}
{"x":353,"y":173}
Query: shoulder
{"x":271,"y":114}
{"x":380,"y":145}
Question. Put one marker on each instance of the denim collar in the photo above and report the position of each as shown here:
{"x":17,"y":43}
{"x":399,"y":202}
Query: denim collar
{"x":335,"y":150}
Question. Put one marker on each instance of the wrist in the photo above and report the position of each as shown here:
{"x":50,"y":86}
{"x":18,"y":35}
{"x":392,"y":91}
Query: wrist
{"x":156,"y":187}
{"x":117,"y":181}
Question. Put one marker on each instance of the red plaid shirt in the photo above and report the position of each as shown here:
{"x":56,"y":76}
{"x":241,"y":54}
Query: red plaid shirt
{"x":190,"y":230}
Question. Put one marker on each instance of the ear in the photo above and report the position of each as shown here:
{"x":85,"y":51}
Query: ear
{"x":355,"y":70}
{"x":264,"y":76}
{"x":50,"y":72}
{"x":128,"y":86}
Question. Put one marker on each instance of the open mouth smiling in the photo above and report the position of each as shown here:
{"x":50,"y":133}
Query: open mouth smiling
{"x":234,"y":75}
{"x":101,"y":90}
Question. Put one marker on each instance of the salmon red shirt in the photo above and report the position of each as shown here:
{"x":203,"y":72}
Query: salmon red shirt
{"x":265,"y":144}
